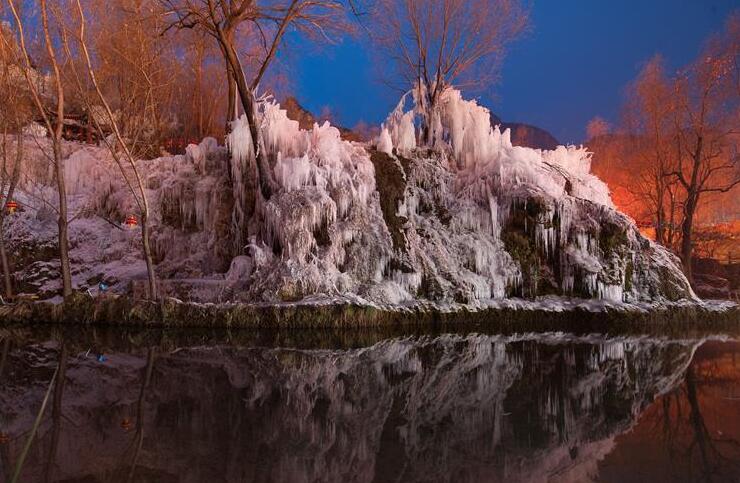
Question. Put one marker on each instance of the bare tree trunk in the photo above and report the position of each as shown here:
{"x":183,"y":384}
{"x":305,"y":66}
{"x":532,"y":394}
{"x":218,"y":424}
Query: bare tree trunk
{"x":689,"y":210}
{"x":701,"y":436}
{"x":7,"y":282}
{"x":141,"y":198}
{"x":5,"y":467}
{"x":671,"y":239}
{"x":11,"y":190}
{"x":197,"y":100}
{"x":3,"y":254}
{"x":56,"y":409}
{"x":660,"y":212}
{"x":151,"y":276}
{"x":140,"y":412}
{"x":429,"y":105}
{"x":59,"y":160}
{"x":62,"y":222}
{"x":55,"y":129}
{"x":266,"y":182}
{"x":4,"y":355}
{"x":231,"y":107}
{"x":687,"y":229}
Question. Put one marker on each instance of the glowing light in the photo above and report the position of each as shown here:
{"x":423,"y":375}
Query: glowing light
{"x":131,"y":222}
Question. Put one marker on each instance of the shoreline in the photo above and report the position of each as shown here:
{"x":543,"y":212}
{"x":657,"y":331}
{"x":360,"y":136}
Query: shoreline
{"x":569,"y":315}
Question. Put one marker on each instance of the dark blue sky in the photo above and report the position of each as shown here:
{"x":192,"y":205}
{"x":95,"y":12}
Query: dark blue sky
{"x":572,"y":65}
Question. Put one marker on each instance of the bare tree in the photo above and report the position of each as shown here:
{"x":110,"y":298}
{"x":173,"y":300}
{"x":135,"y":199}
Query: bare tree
{"x":204,"y":102}
{"x":54,"y":125}
{"x":137,"y":72}
{"x":267,"y":24}
{"x":56,"y":408}
{"x":269,"y":21}
{"x":139,"y":436}
{"x":649,"y":115}
{"x":597,"y":127}
{"x":8,"y":183}
{"x":435,"y":43}
{"x":126,"y":162}
{"x":15,"y":112}
{"x":708,"y":125}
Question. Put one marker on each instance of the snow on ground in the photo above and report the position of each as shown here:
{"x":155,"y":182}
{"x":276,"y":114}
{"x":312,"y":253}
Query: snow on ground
{"x":473,"y":222}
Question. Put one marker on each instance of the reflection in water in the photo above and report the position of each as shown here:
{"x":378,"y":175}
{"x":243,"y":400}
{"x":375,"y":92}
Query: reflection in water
{"x":691,"y":433}
{"x":420,"y":408}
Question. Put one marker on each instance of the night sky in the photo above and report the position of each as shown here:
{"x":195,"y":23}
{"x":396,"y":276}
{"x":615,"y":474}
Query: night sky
{"x":572,"y":65}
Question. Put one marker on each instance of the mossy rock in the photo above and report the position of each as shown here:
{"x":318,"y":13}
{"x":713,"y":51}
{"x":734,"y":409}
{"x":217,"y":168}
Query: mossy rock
{"x":613,"y":239}
{"x":522,"y":250}
{"x":628,"y":274}
{"x":430,"y":288}
{"x":23,"y":254}
{"x":536,"y":207}
{"x":391,"y":185}
{"x":290,"y":292}
{"x":671,"y":287}
{"x":547,"y":283}
{"x":120,"y":312}
{"x":528,"y":213}
{"x":519,"y":247}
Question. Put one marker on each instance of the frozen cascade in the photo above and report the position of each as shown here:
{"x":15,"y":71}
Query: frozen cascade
{"x":472,"y":220}
{"x":400,"y":127}
{"x":543,"y":205}
{"x":326,"y":196}
{"x":239,"y":142}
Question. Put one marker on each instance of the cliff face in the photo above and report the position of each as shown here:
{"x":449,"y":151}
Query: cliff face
{"x":465,"y":408}
{"x":470,"y":219}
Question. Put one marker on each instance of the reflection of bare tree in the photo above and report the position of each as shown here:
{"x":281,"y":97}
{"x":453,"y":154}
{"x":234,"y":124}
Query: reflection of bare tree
{"x":689,"y":433}
{"x":712,"y":450}
{"x":139,"y":436}
{"x":702,"y":439}
{"x":56,"y":409}
{"x":34,"y":429}
{"x":4,"y":456}
{"x":669,"y":429}
{"x":687,"y":440}
{"x":4,"y":354}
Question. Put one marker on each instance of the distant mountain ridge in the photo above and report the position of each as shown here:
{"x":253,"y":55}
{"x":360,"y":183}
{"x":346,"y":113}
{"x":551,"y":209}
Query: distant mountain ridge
{"x":527,"y":135}
{"x":306,"y":119}
{"x":298,"y":113}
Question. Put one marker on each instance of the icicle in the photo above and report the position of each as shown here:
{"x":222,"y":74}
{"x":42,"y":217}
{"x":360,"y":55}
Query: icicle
{"x":401,"y":129}
{"x":385,"y":143}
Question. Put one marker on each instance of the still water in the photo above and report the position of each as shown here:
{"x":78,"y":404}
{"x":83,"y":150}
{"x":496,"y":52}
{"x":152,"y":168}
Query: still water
{"x":159,"y":406}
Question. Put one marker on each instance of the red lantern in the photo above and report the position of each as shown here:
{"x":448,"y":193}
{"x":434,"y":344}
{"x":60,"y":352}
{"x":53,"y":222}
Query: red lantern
{"x":11,"y":206}
{"x":126,"y":424}
{"x":131,"y":221}
{"x":4,"y":438}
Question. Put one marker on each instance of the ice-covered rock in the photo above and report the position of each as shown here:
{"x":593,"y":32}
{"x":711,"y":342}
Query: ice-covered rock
{"x":473,"y":219}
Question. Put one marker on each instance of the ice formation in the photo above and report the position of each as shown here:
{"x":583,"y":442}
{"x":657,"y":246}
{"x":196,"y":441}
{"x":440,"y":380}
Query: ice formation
{"x":400,"y":129}
{"x":392,"y":222}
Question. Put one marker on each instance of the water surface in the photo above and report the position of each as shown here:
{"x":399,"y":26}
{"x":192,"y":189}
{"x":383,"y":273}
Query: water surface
{"x":165,"y":406}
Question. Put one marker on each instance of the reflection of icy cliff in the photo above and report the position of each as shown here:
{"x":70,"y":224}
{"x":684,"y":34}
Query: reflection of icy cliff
{"x":450,"y":408}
